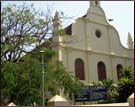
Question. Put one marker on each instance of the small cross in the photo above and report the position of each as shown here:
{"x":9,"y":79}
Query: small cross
{"x":96,"y":2}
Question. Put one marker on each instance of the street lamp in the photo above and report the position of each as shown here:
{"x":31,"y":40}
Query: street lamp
{"x":43,"y":97}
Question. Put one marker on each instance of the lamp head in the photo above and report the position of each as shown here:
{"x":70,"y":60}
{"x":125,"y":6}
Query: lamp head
{"x":42,"y":51}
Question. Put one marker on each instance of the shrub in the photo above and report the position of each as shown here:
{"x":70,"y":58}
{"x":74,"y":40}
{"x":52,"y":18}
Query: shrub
{"x":125,"y":89}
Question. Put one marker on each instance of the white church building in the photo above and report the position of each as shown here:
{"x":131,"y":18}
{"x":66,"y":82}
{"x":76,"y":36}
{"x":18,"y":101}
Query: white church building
{"x":91,"y":48}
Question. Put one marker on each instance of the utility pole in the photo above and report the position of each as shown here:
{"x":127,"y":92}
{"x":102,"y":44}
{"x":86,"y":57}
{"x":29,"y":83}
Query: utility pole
{"x":43,"y":93}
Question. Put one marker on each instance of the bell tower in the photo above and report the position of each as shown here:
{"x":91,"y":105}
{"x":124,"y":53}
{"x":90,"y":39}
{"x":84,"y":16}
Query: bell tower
{"x":56,"y":37}
{"x":56,"y":23}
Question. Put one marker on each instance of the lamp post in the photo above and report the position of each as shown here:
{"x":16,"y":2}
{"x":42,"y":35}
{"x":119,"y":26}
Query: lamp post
{"x":43,"y":97}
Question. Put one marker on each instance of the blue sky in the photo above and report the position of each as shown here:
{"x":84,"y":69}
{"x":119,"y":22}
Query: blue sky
{"x":121,"y":11}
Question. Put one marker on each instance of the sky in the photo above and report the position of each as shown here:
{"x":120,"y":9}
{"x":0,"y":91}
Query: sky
{"x":122,"y":13}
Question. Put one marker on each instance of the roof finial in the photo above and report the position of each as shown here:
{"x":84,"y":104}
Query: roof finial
{"x":94,"y":2}
{"x":130,"y":41}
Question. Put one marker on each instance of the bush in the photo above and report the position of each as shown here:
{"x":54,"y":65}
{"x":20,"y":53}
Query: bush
{"x":126,"y":84}
{"x":125,"y":89}
{"x":111,"y":90}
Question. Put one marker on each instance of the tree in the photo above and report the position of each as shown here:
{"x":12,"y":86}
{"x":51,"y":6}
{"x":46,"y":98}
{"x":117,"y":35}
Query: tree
{"x":56,"y":77}
{"x":21,"y":81}
{"x":64,"y":80}
{"x":8,"y":81}
{"x":21,"y":27}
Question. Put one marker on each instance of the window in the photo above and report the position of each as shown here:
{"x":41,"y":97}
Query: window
{"x":101,"y":71}
{"x":98,"y":34}
{"x":119,"y":71}
{"x":79,"y":69}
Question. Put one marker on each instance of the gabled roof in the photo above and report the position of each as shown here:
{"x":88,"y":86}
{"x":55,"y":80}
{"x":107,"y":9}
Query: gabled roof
{"x":68,"y":29}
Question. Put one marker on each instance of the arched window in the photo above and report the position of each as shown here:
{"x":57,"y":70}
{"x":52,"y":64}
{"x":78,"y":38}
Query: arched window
{"x":101,"y":71}
{"x":79,"y":69}
{"x":119,"y":71}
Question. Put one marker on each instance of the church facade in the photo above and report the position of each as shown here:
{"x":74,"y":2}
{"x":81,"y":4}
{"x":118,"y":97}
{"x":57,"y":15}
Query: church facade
{"x":91,"y":48}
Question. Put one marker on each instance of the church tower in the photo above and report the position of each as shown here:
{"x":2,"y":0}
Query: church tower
{"x":56,"y":27}
{"x":130,"y":41}
{"x":56,"y":37}
{"x":56,"y":23}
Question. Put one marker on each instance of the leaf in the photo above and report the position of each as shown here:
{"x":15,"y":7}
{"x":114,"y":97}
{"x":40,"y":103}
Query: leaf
{"x":37,"y":26}
{"x":43,"y":22}
{"x":61,"y":32}
{"x":9,"y":9}
{"x":27,"y":12}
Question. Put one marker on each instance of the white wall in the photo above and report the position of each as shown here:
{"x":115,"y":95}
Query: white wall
{"x":91,"y":49}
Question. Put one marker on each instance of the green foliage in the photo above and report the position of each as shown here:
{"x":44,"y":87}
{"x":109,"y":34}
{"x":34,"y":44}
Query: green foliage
{"x":8,"y":79}
{"x":125,"y":89}
{"x":126,"y":84}
{"x":108,"y":83}
{"x":60,"y":32}
{"x":127,"y":72}
{"x":111,"y":90}
{"x":56,"y":78}
{"x":42,"y":21}
{"x":96,"y":83}
{"x":66,"y":80}
{"x":29,"y":81}
{"x":24,"y":87}
{"x":9,"y":9}
{"x":49,"y":53}
{"x":22,"y":26}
